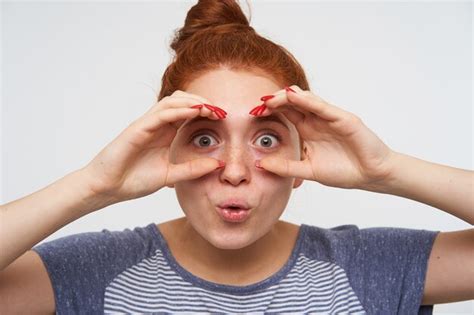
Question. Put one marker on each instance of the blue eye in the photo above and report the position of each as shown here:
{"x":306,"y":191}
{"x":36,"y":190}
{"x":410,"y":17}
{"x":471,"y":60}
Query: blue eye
{"x":202,"y":140}
{"x":267,"y":141}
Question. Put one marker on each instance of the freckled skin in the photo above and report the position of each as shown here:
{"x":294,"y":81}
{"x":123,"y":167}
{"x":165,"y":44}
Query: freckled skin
{"x":234,"y":140}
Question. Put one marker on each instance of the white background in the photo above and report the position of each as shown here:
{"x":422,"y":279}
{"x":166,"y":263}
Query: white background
{"x":74,"y":75}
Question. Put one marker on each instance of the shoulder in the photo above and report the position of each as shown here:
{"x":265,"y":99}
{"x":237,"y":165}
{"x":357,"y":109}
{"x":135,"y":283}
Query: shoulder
{"x":81,"y":265}
{"x":385,"y":265}
{"x":349,"y":241}
{"x":93,"y":251}
{"x":323,"y":241}
{"x":100,"y":240}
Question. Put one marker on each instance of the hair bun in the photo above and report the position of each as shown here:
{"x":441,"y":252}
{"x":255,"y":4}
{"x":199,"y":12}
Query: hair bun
{"x":220,"y":16}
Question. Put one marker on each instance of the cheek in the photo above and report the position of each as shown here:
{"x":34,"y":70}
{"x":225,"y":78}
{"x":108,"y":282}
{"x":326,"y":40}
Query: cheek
{"x":273,"y":184}
{"x":190,"y":194}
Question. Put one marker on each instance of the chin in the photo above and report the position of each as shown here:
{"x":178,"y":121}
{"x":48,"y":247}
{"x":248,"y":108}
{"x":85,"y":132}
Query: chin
{"x":231,"y":239}
{"x":229,"y":244}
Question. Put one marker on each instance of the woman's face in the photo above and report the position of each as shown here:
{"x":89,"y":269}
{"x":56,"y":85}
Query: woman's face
{"x":239,"y":140}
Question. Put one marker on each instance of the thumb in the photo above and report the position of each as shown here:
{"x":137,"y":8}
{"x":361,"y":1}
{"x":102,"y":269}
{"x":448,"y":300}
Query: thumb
{"x":191,"y":169}
{"x":287,"y":168}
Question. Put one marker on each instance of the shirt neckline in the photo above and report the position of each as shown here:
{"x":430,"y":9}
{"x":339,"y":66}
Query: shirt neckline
{"x":225,"y":288}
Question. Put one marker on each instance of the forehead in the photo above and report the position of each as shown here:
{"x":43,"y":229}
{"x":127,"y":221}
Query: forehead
{"x":233,"y":88}
{"x":237,"y":92}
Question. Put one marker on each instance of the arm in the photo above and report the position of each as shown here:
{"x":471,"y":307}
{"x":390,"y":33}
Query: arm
{"x":121,"y":171}
{"x":449,"y":276}
{"x":446,"y":188}
{"x":27,"y":221}
{"x":133,"y":165}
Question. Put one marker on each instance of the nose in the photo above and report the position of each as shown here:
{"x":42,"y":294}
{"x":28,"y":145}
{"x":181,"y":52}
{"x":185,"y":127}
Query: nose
{"x":237,"y":167}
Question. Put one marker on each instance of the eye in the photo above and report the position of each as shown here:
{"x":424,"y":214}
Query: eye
{"x":202,"y":140}
{"x":266,"y":140}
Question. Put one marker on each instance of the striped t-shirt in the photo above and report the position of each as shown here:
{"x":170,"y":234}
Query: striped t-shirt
{"x":336,"y":270}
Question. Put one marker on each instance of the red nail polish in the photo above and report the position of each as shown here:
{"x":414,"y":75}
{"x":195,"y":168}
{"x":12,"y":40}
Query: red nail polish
{"x":197,"y":106}
{"x":261,"y":110}
{"x":210,"y":107}
{"x":219,"y":112}
{"x":222,"y":110}
{"x":254,"y":110}
{"x":223,"y":113}
{"x":216,"y":109}
{"x":289,"y":89}
{"x":257,"y":164}
{"x":221,"y":164}
{"x":257,"y":111}
{"x":267,"y":97}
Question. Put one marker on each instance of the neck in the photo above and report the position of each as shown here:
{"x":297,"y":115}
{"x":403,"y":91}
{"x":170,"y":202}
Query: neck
{"x":232,"y":266}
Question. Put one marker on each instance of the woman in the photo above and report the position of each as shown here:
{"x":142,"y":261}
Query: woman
{"x":234,"y":130}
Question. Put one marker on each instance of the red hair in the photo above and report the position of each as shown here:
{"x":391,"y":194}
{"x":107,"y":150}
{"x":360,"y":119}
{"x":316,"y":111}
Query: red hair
{"x":216,"y":33}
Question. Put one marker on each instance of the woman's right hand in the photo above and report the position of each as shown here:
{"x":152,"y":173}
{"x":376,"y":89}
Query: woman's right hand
{"x":136,"y":163}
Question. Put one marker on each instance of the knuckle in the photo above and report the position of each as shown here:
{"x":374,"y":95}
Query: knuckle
{"x":297,"y":88}
{"x":190,"y":168}
{"x":165,"y":99}
{"x":166,"y":182}
{"x":354,"y":119}
{"x":177,"y":92}
{"x":287,"y":167}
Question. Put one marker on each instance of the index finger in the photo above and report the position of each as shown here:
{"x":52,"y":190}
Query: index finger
{"x":178,"y":93}
{"x":307,"y":101}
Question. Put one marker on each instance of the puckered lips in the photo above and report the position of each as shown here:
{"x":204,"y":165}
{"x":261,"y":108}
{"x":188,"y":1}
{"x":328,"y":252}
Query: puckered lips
{"x":234,"y":210}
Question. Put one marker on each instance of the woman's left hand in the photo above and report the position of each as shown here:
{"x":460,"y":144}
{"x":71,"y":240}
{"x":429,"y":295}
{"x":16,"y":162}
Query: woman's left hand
{"x":339,"y":150}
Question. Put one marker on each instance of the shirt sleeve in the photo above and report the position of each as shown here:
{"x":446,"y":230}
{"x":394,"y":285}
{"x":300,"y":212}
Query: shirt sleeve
{"x":392,"y":266}
{"x":81,"y":265}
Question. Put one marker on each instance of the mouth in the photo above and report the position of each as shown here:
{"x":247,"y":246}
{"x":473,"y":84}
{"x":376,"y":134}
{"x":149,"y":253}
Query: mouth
{"x":235,"y":211}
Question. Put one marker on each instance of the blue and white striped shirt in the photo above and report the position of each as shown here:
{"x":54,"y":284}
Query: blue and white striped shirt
{"x":330,"y":271}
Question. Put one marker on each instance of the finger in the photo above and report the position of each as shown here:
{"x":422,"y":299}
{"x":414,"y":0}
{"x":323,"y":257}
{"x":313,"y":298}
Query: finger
{"x":288,"y":168}
{"x":206,"y":110}
{"x":312,"y":102}
{"x":307,"y":101}
{"x":191,"y":170}
{"x":294,"y":116}
{"x":153,"y":121}
{"x":280,"y":102}
{"x":180,"y":101}
{"x":219,"y":112}
{"x":164,"y":102}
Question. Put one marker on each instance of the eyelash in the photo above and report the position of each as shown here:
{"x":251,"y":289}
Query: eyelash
{"x":277,"y":136}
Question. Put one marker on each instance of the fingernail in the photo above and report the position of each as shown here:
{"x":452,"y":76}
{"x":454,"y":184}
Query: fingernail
{"x":257,"y":164}
{"x":257,"y":111}
{"x":217,"y":108}
{"x":267,"y":97}
{"x":221,"y":164}
{"x":218,"y":111}
{"x":289,"y":89}
{"x":261,"y":110}
{"x":221,"y":110}
{"x":254,"y":110}
{"x":197,"y":106}
{"x":219,"y":114}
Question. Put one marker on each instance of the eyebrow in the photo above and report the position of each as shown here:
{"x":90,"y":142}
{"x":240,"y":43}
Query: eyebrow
{"x":254,"y":121}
